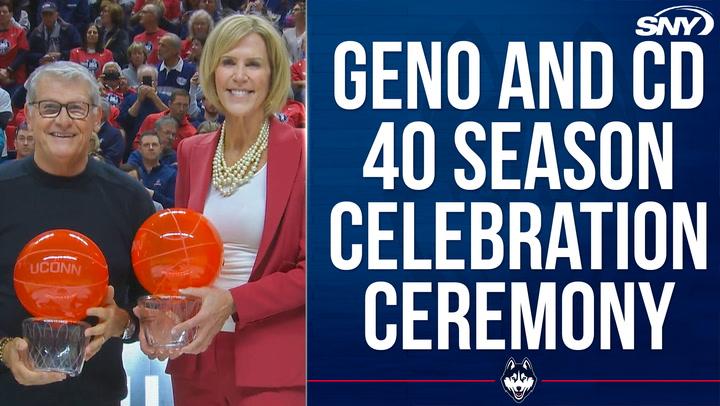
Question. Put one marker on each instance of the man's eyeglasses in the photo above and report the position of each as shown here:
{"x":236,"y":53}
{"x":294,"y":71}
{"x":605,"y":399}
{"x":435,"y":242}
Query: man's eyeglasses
{"x":51,"y":109}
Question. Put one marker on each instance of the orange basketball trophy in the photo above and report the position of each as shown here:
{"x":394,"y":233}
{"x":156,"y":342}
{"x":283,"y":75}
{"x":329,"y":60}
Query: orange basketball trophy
{"x":174,"y":249}
{"x":59,"y":275}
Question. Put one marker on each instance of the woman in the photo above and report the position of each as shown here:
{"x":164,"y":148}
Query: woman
{"x":199,"y":26}
{"x":137,"y":55}
{"x":114,"y":37}
{"x":93,"y":54}
{"x":196,"y":49}
{"x":250,"y":344}
{"x":294,"y":36}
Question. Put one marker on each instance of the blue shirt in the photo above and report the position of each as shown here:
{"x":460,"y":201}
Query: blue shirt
{"x":167,"y":158}
{"x":131,"y":124}
{"x":176,"y":78}
{"x":161,"y":179}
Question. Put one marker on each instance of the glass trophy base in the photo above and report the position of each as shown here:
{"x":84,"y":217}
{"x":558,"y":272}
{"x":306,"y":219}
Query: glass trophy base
{"x":161,"y":313}
{"x":56,"y":345}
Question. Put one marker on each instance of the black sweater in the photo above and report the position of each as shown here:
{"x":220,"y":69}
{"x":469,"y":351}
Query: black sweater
{"x":105,"y":205}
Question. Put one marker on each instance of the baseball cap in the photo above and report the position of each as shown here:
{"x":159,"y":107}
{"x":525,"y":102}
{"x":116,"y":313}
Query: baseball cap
{"x":48,"y":6}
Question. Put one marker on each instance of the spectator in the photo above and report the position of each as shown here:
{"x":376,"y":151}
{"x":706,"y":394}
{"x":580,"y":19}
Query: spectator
{"x":150,"y":16}
{"x":113,"y":86}
{"x":133,"y":171}
{"x":74,"y":12}
{"x":137,"y":55}
{"x":20,"y":15}
{"x":141,"y":104}
{"x":158,"y":178}
{"x":178,"y":109}
{"x":210,"y":114}
{"x":53,"y":39}
{"x":196,"y":48}
{"x":24,"y":141}
{"x":208,"y":127}
{"x":112,"y":144}
{"x":113,"y":36}
{"x":173,"y":73}
{"x":293,"y":36}
{"x":211,"y":6}
{"x":165,"y":128}
{"x":92,"y":54}
{"x":172,"y":9}
{"x":298,"y":73}
{"x":13,"y":48}
{"x":199,"y":26}
{"x":5,"y":116}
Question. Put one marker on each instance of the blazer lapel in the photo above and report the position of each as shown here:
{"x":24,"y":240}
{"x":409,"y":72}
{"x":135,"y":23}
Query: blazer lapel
{"x":200,"y":179}
{"x":283,"y":161}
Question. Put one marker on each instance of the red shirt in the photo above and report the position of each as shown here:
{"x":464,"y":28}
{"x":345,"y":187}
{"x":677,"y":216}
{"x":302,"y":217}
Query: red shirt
{"x":297,"y":70}
{"x":185,"y":129}
{"x":151,"y":44}
{"x":172,"y":8}
{"x":12,"y":40}
{"x":185,"y":48}
{"x":93,"y":62}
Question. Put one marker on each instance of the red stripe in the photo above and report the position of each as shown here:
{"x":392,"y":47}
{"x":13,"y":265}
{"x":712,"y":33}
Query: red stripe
{"x":630,"y":380}
{"x":401,"y":380}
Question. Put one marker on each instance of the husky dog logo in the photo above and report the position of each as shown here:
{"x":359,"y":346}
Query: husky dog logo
{"x":518,"y":380}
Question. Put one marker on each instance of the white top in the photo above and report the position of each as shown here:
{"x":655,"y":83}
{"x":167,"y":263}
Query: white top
{"x":239,"y":219}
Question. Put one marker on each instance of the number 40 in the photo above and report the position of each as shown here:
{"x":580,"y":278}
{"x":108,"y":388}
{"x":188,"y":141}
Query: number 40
{"x":383,"y":150}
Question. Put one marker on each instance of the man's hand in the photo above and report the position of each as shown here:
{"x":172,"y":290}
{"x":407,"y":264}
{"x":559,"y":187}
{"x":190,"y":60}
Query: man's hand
{"x":17,"y":360}
{"x":111,"y":323}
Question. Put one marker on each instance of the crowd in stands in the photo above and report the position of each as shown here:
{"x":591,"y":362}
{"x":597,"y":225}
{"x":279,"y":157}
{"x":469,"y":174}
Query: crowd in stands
{"x":144,"y":54}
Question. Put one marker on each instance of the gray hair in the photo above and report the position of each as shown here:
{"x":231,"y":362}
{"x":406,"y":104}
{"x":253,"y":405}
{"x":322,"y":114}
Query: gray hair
{"x":67,"y":72}
{"x":164,"y":121}
{"x":197,"y":15}
{"x":156,"y":10}
{"x":147,"y":68}
{"x":175,"y":41}
{"x":112,"y":63}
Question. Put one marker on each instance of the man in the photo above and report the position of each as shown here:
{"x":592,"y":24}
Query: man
{"x":166,"y":128}
{"x":13,"y":47}
{"x":150,"y":16}
{"x":158,"y":178}
{"x":53,"y":39}
{"x":60,"y":187}
{"x":24,"y":142}
{"x":174,"y":73}
{"x":177,"y":109}
{"x":112,"y":144}
{"x":138,"y":105}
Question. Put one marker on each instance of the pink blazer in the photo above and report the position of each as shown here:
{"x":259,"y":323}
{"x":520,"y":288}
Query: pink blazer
{"x":270,"y":322}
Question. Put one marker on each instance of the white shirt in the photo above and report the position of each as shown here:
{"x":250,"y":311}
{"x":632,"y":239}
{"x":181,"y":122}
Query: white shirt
{"x":239,"y":219}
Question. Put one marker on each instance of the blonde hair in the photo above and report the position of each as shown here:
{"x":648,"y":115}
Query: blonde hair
{"x":225,"y":37}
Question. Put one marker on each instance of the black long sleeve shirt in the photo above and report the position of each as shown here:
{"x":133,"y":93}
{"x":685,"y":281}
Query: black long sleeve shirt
{"x":105,"y":205}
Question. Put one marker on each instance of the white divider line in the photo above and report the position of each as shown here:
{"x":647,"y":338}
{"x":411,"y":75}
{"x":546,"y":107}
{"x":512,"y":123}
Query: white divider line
{"x":152,"y":390}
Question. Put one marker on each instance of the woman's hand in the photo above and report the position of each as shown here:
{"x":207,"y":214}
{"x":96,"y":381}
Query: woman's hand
{"x":217,"y":306}
{"x":146,"y":316}
{"x":111,"y":323}
{"x":16,"y":359}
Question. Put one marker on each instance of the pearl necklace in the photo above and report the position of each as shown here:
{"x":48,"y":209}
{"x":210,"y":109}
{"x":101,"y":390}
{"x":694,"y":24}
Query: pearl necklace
{"x":227,"y":179}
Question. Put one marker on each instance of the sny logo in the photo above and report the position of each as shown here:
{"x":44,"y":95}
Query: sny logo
{"x":518,"y":380}
{"x":675,"y":23}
